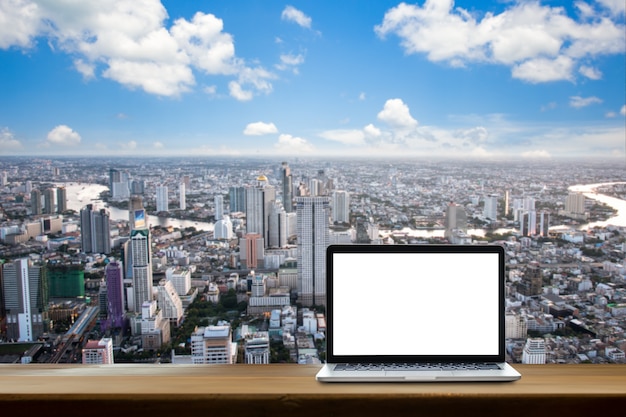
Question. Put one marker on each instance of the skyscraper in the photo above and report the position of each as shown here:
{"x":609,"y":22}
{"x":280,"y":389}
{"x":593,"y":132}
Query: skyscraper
{"x":25,"y":297}
{"x":61,"y":200}
{"x":258,"y":201}
{"x":135,"y":202}
{"x":456,"y":220}
{"x":182,"y":196}
{"x":287,"y":183}
{"x":341,"y":207}
{"x":162,"y":200}
{"x":313,"y":215}
{"x":237,"y":197}
{"x":35,"y":202}
{"x":114,"y":275}
{"x":140,"y":243}
{"x":219,"y":207}
{"x":49,"y":197}
{"x":95,"y":231}
{"x":277,"y":226}
{"x":490,"y":210}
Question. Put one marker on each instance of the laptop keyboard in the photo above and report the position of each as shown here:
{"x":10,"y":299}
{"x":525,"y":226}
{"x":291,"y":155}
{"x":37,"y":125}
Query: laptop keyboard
{"x":417,"y":367}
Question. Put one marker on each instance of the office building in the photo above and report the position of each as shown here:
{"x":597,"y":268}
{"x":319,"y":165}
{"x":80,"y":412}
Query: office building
{"x":237,"y":198}
{"x":61,"y":200}
{"x":258,"y":202}
{"x":223,"y":229}
{"x":212,"y":345}
{"x":341,"y":207}
{"x":98,"y":352}
{"x":95,"y":232}
{"x":155,"y":329}
{"x":182,"y":196}
{"x":49,"y":200}
{"x":575,"y":203}
{"x":162,"y":199}
{"x":25,"y":298}
{"x":35,"y":202}
{"x":135,"y":202}
{"x":219,"y":207}
{"x":257,"y":348}
{"x":251,"y":251}
{"x":313,"y":237}
{"x":65,"y":280}
{"x":534,"y":352}
{"x":287,"y":183}
{"x":169,"y":302}
{"x":490,"y":211}
{"x":141,"y":249}
{"x":114,"y":277}
{"x":181,"y":279}
{"x":278,"y":232}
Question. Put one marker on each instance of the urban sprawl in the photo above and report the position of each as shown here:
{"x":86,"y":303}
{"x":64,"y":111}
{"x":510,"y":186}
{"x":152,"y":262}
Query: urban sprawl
{"x":201,"y":261}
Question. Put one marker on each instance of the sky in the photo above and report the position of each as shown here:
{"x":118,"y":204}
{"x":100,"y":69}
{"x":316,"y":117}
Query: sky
{"x":468,"y":79}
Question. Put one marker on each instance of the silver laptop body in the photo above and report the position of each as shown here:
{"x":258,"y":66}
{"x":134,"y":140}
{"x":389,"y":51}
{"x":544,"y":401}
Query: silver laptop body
{"x":412,"y":313}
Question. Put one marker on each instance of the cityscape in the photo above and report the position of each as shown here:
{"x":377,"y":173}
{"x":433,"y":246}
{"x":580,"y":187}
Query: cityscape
{"x":209,"y":260}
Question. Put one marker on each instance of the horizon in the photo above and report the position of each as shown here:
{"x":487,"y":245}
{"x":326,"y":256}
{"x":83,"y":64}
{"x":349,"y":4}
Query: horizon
{"x":471,"y":80}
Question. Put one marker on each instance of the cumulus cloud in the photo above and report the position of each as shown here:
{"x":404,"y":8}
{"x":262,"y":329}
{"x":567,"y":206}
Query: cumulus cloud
{"x":292,"y":14}
{"x":345,"y":136}
{"x":7,"y":140}
{"x":580,"y":102}
{"x":260,"y":128}
{"x":289,"y":61}
{"x":288,"y":144}
{"x":63,"y":135}
{"x":540,"y":43}
{"x":590,"y":72}
{"x":129,"y":43}
{"x":397,"y":115}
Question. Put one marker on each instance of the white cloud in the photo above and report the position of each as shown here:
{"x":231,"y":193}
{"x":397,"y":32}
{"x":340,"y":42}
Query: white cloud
{"x":617,"y":7}
{"x":622,"y":111}
{"x":7,"y":140}
{"x":158,"y":145}
{"x":362,"y":96}
{"x":238,"y":92}
{"x":345,"y":136}
{"x":590,"y":72}
{"x":260,"y":128}
{"x":289,"y":61}
{"x":63,"y":135}
{"x":538,"y":42}
{"x":396,"y":114}
{"x":128,"y":42}
{"x":288,"y":144}
{"x":580,"y":102}
{"x":292,"y":14}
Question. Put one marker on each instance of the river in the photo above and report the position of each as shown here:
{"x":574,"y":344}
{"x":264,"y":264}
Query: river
{"x":81,"y":194}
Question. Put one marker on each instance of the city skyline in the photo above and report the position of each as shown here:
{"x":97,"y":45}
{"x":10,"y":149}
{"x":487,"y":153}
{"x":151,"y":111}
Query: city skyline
{"x":535,"y":80}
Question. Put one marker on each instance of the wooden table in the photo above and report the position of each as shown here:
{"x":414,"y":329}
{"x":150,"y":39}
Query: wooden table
{"x":291,"y":390}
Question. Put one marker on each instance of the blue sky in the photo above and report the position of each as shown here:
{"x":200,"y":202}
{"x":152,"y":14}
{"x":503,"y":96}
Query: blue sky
{"x":470,"y":79}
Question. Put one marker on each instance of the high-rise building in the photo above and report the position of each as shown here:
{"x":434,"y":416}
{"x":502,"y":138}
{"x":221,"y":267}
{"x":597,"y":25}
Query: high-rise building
{"x":35,"y":202}
{"x":575,"y":203}
{"x":162,"y":199}
{"x":534,"y":352}
{"x":313,"y":237}
{"x":95,"y":231}
{"x":181,"y":279}
{"x":49,"y":198}
{"x":65,"y":280}
{"x":169,"y":302}
{"x":61,"y":200}
{"x":237,"y":198}
{"x":182,"y":196}
{"x":212,"y":345}
{"x":223,"y":229}
{"x":4,"y":178}
{"x":490,"y":210}
{"x":98,"y":352}
{"x":135,"y":202}
{"x":251,"y":250}
{"x":341,"y":207}
{"x":258,"y":202}
{"x":277,"y":220}
{"x":25,"y":298}
{"x":141,"y":249}
{"x":219,"y":207}
{"x":257,"y":348}
{"x":114,"y":277}
{"x":287,"y":183}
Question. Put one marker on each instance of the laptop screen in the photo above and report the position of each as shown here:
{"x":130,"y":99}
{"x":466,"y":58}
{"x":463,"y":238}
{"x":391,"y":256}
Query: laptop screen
{"x":437,"y":301}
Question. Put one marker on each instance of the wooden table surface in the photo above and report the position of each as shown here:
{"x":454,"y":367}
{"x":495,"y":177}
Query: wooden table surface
{"x":291,"y":390}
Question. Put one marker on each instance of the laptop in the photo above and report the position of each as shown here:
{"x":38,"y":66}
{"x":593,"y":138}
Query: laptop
{"x":415,"y":313}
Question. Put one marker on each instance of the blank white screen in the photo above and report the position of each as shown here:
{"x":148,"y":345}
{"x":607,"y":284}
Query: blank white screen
{"x":415,"y":304}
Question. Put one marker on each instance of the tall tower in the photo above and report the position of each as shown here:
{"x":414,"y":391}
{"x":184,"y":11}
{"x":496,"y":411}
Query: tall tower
{"x":258,"y":202}
{"x":490,"y":210}
{"x":182,"y":196}
{"x":237,"y":197}
{"x":140,"y":244}
{"x":162,"y":200}
{"x":49,"y":197}
{"x":313,"y":215}
{"x":35,"y":202}
{"x":219,"y":207}
{"x":61,"y":200}
{"x":114,"y":275}
{"x":341,"y":207}
{"x":277,"y":226}
{"x":25,"y":294}
{"x":135,"y":202}
{"x":95,"y":231}
{"x":287,"y":182}
{"x":456,"y":219}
